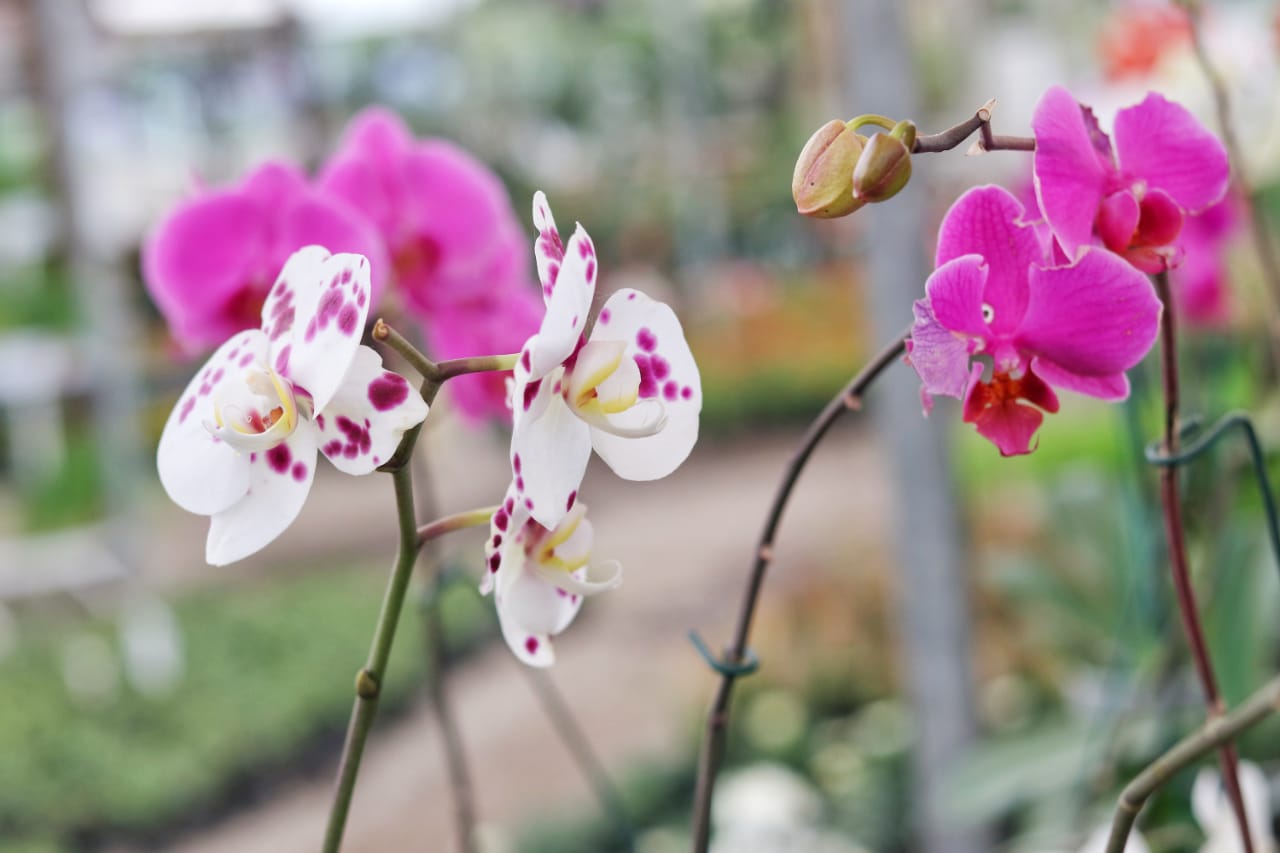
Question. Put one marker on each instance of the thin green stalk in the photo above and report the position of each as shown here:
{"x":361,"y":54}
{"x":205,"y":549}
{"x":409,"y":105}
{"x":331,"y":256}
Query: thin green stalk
{"x":369,"y":678}
{"x":1214,"y":734}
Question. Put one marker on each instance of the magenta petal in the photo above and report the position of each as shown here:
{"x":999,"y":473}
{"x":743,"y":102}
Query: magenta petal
{"x":1118,"y":220}
{"x":1163,"y":144}
{"x":1095,"y":318}
{"x":1070,"y":177}
{"x":955,"y":292}
{"x":1161,"y":221}
{"x":455,"y":197}
{"x":1111,"y":388}
{"x":939,"y":357}
{"x":1010,"y":426}
{"x":987,"y":221}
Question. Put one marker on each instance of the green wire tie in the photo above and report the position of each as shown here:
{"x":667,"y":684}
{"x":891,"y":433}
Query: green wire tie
{"x":749,"y":664}
{"x":1155,"y":454}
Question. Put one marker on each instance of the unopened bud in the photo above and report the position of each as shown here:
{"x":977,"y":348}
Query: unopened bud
{"x":822,"y":184}
{"x":885,"y":164}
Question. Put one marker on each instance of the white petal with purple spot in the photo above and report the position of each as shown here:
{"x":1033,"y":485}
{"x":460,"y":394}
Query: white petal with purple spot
{"x":368,"y":415}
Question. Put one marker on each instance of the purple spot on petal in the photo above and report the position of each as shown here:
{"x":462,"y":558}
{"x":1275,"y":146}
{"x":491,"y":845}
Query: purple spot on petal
{"x":347,"y":319}
{"x":246,"y":359}
{"x":346,"y":275}
{"x":495,"y":560}
{"x":320,"y":421}
{"x":573,"y":496}
{"x":388,"y":391}
{"x":648,"y":384}
{"x":531,"y":391}
{"x":646,"y":340}
{"x":524,"y":360}
{"x":186,"y":409}
{"x":500,"y":519}
{"x":217,"y":375}
{"x":253,"y":457}
{"x":279,"y":458}
{"x":332,"y":448}
{"x":528,"y":504}
{"x":631,"y":295}
{"x":671,"y":389}
{"x":531,"y":645}
{"x":515,"y":463}
{"x":311,"y":330}
{"x":299,"y":471}
{"x":520,"y":484}
{"x":282,"y":359}
{"x":604,"y":316}
{"x":686,"y":392}
{"x":591,"y":271}
{"x":661,"y":367}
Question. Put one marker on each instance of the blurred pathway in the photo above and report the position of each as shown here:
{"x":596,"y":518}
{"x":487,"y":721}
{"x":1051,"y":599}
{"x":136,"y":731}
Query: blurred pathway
{"x":626,"y":668}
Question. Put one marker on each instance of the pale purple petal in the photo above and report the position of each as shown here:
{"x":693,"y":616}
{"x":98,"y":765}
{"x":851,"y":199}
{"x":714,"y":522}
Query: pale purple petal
{"x":987,"y":221}
{"x":668,"y":376}
{"x":368,"y":415}
{"x":1069,"y":175}
{"x":202,"y":474}
{"x":280,"y":480}
{"x":940,"y":357}
{"x":1160,"y":142}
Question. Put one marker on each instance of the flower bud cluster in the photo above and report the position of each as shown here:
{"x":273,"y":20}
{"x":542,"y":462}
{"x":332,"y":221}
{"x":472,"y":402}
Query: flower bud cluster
{"x":839,"y":170}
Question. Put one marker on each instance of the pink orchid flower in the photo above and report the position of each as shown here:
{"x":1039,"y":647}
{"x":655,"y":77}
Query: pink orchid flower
{"x":1201,"y":287}
{"x":241,"y":443}
{"x":1132,"y":198}
{"x":539,"y":575}
{"x":629,"y":388}
{"x":497,"y":325}
{"x":1001,"y":326}
{"x":209,"y":264}
{"x":446,"y":218}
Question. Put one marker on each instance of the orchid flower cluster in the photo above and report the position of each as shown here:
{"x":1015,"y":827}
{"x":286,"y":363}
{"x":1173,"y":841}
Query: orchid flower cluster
{"x":1023,"y":302}
{"x":240,"y":445}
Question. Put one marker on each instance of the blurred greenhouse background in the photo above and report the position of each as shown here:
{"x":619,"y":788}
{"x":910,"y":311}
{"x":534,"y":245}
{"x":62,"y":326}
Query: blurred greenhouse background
{"x":959,"y":652}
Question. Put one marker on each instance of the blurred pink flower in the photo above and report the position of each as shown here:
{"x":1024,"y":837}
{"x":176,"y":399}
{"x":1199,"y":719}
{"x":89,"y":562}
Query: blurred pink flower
{"x":446,"y":218}
{"x":458,"y":253}
{"x":1201,"y":292}
{"x":210,"y":262}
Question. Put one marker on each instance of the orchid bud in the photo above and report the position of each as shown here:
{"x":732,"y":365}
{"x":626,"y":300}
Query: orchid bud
{"x":821,"y":184}
{"x":884,"y":167}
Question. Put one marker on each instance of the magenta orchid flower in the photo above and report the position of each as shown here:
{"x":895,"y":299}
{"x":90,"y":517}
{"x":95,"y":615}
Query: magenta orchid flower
{"x":446,"y":218}
{"x":1201,"y":287}
{"x":539,"y":576}
{"x":209,"y":264}
{"x":1134,"y":197}
{"x":241,"y":443}
{"x":629,"y":388}
{"x":1000,"y":326}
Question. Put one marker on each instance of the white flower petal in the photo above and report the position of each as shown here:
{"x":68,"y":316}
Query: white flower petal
{"x":580,"y":583}
{"x":567,"y":308}
{"x":531,"y":611}
{"x":368,"y":414}
{"x":201,"y":474}
{"x":327,"y":301}
{"x":548,"y":250}
{"x":669,"y":375}
{"x":549,"y":453}
{"x":280,"y":479}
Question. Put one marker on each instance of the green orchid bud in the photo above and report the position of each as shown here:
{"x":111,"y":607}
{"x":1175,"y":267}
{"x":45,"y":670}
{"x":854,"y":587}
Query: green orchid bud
{"x":821,"y":185}
{"x":884,"y":167}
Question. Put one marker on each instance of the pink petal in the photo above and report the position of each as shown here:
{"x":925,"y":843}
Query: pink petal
{"x":1160,"y":142}
{"x":955,"y":293}
{"x":1095,"y":318}
{"x":1118,"y":220}
{"x":987,"y":221}
{"x":1069,"y":174}
{"x":367,"y":416}
{"x":1010,"y":426}
{"x":1111,"y":388}
{"x":1161,"y":220}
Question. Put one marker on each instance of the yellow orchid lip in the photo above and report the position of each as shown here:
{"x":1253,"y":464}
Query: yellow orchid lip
{"x":252,"y":430}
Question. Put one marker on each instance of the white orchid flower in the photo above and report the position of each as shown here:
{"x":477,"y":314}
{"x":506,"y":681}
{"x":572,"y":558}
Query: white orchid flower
{"x":629,"y":388}
{"x":539,"y":575}
{"x":1212,"y":810}
{"x":241,"y":443}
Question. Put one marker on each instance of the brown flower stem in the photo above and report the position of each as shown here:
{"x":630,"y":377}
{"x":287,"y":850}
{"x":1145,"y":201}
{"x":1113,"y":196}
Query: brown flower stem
{"x":1222,"y":106}
{"x":1216,"y":732}
{"x":1171,"y":504}
{"x":713,"y":744}
{"x":980,"y":122}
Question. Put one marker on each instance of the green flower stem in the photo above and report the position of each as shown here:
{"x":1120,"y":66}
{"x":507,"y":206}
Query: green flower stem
{"x":369,"y":678}
{"x":870,"y":118}
{"x":457,"y":521}
{"x":1171,"y":503}
{"x":1214,"y":734}
{"x":482,"y":364}
{"x":426,"y":368}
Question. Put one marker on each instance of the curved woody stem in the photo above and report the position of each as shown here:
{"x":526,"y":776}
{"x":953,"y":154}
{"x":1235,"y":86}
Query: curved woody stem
{"x":979,"y":122}
{"x":1171,"y":504}
{"x":712,"y":752}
